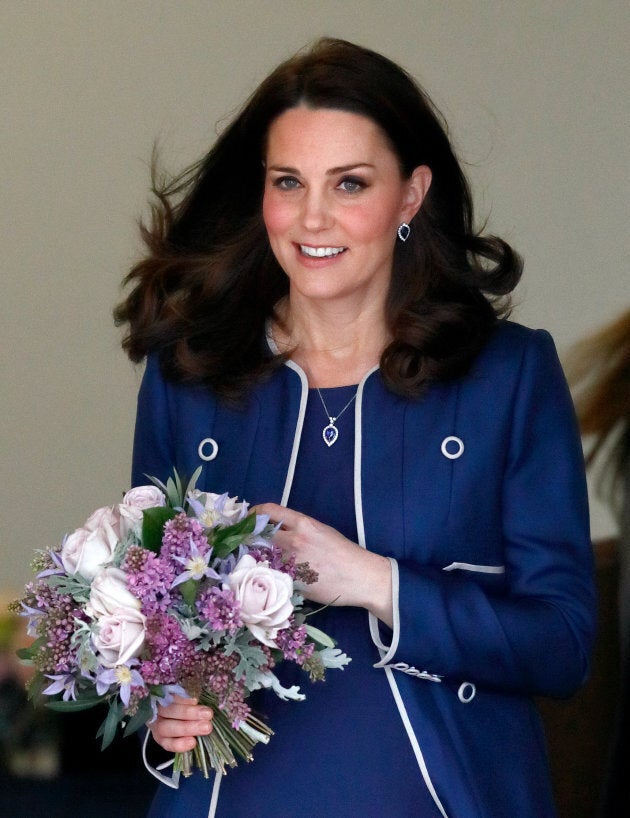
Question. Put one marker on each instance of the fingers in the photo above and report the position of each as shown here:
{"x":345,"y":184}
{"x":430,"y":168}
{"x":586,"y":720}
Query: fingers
{"x":278,"y":514}
{"x":177,"y":725}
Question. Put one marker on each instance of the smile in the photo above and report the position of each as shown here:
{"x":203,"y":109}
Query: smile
{"x":320,"y":252}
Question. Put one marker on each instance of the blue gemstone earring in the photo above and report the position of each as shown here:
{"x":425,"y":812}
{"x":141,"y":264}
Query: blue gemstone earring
{"x":403,"y":232}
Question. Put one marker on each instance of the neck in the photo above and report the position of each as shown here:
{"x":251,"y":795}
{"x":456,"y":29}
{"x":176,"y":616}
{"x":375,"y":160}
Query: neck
{"x":334,"y":346}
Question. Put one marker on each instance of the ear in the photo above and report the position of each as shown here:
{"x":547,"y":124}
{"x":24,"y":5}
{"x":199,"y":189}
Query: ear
{"x":418,"y":186}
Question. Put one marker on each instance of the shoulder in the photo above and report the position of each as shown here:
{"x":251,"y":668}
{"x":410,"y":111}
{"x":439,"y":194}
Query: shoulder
{"x":511,"y":341}
{"x":515,"y":352}
{"x":158,"y":388}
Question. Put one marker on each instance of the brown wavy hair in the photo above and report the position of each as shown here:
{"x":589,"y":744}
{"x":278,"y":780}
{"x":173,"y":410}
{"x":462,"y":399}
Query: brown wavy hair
{"x":598,"y":369}
{"x":201,"y":296}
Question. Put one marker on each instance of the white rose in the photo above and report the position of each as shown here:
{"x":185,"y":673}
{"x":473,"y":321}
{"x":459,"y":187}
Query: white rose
{"x":106,"y":516}
{"x":109,"y":593}
{"x":119,"y":636}
{"x":85,"y":551}
{"x":264,"y":595}
{"x":144,"y":497}
{"x":219,"y":508}
{"x":132,"y":507}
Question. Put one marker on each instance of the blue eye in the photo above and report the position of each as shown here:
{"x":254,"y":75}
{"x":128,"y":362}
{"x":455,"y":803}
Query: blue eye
{"x":352,"y":185}
{"x":286,"y":183}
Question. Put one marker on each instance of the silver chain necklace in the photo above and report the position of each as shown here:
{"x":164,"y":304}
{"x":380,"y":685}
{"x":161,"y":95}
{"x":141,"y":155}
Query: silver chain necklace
{"x":330,"y":432}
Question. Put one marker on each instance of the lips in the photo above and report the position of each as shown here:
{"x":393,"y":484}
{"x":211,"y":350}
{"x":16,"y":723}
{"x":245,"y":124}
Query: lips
{"x":320,"y":252}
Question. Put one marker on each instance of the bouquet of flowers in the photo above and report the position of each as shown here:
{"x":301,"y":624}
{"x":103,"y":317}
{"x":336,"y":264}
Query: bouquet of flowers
{"x":173,"y":590}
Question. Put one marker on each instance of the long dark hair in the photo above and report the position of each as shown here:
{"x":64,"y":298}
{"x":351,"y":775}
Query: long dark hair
{"x":203,"y":293}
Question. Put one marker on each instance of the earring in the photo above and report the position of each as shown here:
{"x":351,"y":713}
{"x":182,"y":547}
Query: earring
{"x":403,"y":232}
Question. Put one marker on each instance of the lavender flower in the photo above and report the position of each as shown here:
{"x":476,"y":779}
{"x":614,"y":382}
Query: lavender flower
{"x":62,"y":682}
{"x":196,"y":565}
{"x":123,"y":675}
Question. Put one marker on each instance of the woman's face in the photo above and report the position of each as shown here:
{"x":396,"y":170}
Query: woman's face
{"x":333,"y":200}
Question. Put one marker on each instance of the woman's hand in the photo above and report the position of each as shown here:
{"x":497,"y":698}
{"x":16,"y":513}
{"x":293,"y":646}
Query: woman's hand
{"x":177,"y":725}
{"x":348,"y":574}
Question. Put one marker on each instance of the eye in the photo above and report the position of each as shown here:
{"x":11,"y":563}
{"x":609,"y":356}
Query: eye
{"x":352,"y":184}
{"x":286,"y":183}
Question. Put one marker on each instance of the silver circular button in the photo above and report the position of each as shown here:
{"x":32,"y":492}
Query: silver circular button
{"x":213,"y":446}
{"x":452,"y":447}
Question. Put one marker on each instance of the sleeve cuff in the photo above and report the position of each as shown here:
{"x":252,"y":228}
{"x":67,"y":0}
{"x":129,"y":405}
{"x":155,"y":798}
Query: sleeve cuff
{"x":388,"y":651}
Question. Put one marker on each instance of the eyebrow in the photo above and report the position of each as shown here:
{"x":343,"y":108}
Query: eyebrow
{"x":331,"y":172}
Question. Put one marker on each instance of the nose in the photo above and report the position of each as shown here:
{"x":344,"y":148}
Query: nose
{"x":316,"y":212}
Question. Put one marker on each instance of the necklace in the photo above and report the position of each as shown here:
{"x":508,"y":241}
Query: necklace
{"x":330,"y":432}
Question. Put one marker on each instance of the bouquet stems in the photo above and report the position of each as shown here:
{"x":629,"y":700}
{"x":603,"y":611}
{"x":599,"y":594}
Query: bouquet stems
{"x":221,"y":747}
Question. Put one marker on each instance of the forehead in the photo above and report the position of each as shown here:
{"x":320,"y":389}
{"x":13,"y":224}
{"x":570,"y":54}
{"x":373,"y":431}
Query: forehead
{"x":313,"y":133}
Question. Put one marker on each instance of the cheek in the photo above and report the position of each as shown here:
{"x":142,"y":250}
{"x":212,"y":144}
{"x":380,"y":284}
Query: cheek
{"x":276,"y":214}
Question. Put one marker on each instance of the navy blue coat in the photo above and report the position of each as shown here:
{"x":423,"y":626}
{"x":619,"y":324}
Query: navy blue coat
{"x":477,"y":494}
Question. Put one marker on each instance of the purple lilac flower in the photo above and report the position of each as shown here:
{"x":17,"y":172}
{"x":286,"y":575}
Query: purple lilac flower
{"x":220,"y":609}
{"x":179,"y":534}
{"x":291,"y":641}
{"x":149,"y":578}
{"x":62,"y":682}
{"x":273,"y":555}
{"x":56,"y":623}
{"x":171,"y":654}
{"x":125,"y":676}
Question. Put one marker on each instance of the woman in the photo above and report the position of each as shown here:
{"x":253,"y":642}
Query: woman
{"x":322,"y":330}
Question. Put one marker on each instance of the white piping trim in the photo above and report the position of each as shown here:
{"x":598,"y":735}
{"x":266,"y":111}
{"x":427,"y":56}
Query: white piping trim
{"x":481,"y":569}
{"x":298,"y":432}
{"x":358,"y":510}
{"x":358,"y":441}
{"x":414,"y":741}
{"x":388,"y":650}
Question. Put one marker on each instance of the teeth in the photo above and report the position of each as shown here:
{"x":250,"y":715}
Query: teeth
{"x":320,"y":252}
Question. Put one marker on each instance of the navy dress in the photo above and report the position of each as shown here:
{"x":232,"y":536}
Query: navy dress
{"x":343,"y":752}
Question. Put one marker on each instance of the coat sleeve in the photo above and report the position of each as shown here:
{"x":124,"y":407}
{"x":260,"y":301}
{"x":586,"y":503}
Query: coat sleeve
{"x":534,"y":636}
{"x":153,"y":446}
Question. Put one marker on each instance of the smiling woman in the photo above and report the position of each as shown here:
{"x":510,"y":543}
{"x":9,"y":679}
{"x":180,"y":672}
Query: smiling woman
{"x":333,"y":200}
{"x":320,"y":315}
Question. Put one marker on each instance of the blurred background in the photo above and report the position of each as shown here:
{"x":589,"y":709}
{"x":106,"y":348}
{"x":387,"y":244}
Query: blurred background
{"x":535,"y":95}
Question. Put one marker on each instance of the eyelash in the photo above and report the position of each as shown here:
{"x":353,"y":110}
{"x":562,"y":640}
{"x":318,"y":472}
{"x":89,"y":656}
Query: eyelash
{"x":358,"y":184}
{"x":289,"y":183}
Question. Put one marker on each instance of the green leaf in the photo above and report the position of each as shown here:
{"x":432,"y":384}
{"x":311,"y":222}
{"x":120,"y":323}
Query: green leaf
{"x":189,"y":591}
{"x":192,"y":483}
{"x":29,"y":653}
{"x":140,"y":717}
{"x":72,"y":706}
{"x":36,"y":685}
{"x":320,"y":637}
{"x":110,"y":725}
{"x":153,"y":520}
{"x":226,"y":540}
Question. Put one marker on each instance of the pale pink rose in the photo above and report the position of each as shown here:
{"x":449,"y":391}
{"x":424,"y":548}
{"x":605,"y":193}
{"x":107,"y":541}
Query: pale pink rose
{"x":85,"y":552}
{"x":132,"y":507}
{"x":107,"y":515}
{"x":119,"y":636}
{"x":264,"y":595}
{"x":109,"y":593}
{"x":144,"y":497}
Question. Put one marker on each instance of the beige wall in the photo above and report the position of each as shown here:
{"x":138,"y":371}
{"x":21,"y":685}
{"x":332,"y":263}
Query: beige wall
{"x":536,"y":96}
